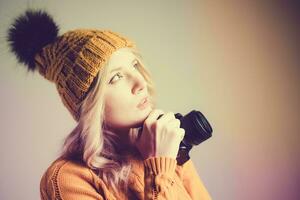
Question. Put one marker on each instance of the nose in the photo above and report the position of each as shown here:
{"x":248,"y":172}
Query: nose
{"x":139,"y":84}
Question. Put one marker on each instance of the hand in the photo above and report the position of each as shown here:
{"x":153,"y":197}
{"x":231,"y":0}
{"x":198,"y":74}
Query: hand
{"x":160,"y":137}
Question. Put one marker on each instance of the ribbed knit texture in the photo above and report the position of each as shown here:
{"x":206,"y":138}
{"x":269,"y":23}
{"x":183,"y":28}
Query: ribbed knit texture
{"x":161,"y":165}
{"x":74,"y":60}
{"x":154,"y":178}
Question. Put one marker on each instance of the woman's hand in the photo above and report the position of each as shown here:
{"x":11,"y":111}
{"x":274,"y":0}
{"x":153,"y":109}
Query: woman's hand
{"x":160,"y":137}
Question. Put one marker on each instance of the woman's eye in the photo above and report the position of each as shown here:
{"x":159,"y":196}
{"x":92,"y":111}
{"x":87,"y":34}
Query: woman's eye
{"x":113,"y":78}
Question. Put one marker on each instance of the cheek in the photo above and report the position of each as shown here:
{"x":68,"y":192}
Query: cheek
{"x":121,"y":110}
{"x":117,"y":109}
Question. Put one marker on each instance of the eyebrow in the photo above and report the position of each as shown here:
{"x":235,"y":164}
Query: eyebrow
{"x":118,"y":68}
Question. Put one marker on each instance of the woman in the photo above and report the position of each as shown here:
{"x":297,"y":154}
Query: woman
{"x":122,"y":146}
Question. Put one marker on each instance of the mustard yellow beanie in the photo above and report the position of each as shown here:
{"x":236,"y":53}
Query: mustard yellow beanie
{"x":71,"y":60}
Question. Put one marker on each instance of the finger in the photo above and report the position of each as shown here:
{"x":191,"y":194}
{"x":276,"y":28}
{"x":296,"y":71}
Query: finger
{"x":152,"y":117}
{"x":174,"y":123}
{"x":167,"y":117}
{"x":180,"y":133}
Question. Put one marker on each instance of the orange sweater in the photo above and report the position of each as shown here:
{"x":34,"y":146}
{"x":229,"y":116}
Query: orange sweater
{"x":155,"y":178}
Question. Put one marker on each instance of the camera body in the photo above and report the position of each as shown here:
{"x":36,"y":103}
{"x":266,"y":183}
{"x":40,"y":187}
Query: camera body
{"x":197,"y":129}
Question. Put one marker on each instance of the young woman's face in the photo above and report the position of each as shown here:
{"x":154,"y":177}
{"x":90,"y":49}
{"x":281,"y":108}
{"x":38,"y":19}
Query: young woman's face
{"x":126,"y":88}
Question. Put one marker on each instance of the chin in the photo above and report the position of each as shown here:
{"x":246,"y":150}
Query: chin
{"x":141,"y":117}
{"x":140,"y":121}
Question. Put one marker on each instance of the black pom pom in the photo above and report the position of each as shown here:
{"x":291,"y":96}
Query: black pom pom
{"x":29,"y":33}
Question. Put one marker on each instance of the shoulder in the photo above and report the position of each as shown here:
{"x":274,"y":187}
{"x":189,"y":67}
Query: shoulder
{"x":70,"y":179}
{"x":63,"y":166}
{"x":62,"y":170}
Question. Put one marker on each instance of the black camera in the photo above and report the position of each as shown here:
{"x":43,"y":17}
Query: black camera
{"x":197,"y":129}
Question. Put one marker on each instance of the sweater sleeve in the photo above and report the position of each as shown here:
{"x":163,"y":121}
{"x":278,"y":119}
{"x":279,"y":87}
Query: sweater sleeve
{"x":68,"y":183}
{"x":193,"y":183}
{"x":159,"y":178}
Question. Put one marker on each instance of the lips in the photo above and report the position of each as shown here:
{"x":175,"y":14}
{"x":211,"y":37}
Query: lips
{"x":142,"y":102}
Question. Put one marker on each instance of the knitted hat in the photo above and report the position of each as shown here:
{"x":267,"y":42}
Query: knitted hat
{"x":71,"y":61}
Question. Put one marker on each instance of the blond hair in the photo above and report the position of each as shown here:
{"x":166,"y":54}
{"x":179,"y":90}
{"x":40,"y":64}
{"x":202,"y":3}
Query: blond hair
{"x":92,"y":144}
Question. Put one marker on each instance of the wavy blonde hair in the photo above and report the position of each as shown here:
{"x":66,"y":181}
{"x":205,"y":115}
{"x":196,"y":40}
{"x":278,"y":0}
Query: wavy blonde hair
{"x":89,"y":142}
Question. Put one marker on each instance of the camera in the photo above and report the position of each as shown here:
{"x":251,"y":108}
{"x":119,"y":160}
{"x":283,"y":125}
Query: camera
{"x":197,"y":130}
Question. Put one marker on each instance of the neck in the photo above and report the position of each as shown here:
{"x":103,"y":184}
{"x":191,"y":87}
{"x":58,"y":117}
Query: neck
{"x":124,"y":146}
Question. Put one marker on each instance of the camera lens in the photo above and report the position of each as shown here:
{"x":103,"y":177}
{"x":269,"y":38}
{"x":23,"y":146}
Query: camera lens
{"x":197,"y":128}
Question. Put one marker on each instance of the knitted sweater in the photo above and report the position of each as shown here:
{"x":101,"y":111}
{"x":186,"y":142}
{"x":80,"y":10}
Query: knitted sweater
{"x":154,"y":178}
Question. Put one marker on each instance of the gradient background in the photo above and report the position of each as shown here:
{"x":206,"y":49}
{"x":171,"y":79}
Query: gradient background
{"x":235,"y":61}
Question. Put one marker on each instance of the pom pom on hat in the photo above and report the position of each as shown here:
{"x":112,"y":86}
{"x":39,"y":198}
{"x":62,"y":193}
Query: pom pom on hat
{"x":29,"y":33}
